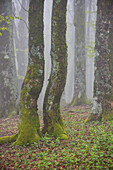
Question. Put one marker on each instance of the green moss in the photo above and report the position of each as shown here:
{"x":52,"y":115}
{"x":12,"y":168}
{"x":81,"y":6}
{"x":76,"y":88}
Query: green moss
{"x":29,"y":127}
{"x":57,"y":131}
{"x":27,"y":138}
{"x":33,"y":71}
{"x":53,"y":123}
{"x":8,"y":139}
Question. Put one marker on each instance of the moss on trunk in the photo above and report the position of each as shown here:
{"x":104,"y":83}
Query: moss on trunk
{"x":53,"y":123}
{"x":8,"y":139}
{"x":103,"y":83}
{"x":29,"y":126}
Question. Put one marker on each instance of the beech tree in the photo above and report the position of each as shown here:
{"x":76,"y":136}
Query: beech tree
{"x":29,"y":127}
{"x":79,"y":96}
{"x":91,"y":12}
{"x":53,"y":123}
{"x":103,"y":83}
{"x":8,"y":78}
{"x":21,"y":41}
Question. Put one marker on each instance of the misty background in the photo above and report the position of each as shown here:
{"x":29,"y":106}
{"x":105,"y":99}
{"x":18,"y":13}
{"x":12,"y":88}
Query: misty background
{"x":21,"y":29}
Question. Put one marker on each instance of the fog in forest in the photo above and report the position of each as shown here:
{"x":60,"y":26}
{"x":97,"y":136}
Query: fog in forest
{"x":21,"y":26}
{"x":56,"y":84}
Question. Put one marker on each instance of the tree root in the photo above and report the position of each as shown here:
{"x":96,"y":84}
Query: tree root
{"x":8,"y":139}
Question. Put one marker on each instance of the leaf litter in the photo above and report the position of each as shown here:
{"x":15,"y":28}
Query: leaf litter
{"x":90,"y":146}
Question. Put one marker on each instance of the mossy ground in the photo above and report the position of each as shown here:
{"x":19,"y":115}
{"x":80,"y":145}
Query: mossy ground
{"x":89,"y":145}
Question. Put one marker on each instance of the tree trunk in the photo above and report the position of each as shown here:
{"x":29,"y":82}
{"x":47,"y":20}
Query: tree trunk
{"x":29,"y":127}
{"x":53,"y":123}
{"x":79,"y":96}
{"x":8,"y":77}
{"x":103,"y":83}
{"x":22,"y":44}
{"x":90,"y":46}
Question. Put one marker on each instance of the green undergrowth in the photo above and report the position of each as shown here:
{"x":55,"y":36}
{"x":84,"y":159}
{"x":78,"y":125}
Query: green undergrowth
{"x":90,"y":146}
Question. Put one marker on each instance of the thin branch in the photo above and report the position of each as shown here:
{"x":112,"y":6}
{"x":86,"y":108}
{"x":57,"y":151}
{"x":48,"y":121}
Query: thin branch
{"x":22,"y":6}
{"x":21,"y":20}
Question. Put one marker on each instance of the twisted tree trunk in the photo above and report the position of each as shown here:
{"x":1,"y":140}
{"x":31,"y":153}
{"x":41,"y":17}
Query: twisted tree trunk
{"x":53,"y":123}
{"x":29,"y":127}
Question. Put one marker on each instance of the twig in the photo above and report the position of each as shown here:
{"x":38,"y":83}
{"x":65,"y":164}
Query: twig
{"x":22,"y":6}
{"x":21,"y":20}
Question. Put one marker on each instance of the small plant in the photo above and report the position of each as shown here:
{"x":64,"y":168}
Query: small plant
{"x":89,"y":146}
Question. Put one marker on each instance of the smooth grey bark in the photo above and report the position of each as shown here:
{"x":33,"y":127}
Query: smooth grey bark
{"x":8,"y":77}
{"x":79,"y":96}
{"x":70,"y":40}
{"x":91,"y":12}
{"x":21,"y":41}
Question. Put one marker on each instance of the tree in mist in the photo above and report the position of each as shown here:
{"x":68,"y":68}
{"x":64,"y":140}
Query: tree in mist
{"x":70,"y":39}
{"x":21,"y":44}
{"x":79,"y":96}
{"x":8,"y":78}
{"x":53,"y":123}
{"x":91,"y":11}
{"x":29,"y":127}
{"x":103,"y":83}
{"x":47,"y":46}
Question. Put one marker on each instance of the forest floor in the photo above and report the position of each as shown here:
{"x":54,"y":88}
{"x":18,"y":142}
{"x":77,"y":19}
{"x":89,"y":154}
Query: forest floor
{"x":90,"y":146}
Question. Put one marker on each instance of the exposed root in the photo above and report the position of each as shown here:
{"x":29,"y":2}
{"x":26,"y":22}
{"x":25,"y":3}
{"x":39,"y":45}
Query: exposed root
{"x":8,"y":139}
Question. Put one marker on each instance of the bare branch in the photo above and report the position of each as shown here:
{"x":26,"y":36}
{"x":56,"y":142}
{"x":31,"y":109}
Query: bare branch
{"x":22,"y":6}
{"x":21,"y":20}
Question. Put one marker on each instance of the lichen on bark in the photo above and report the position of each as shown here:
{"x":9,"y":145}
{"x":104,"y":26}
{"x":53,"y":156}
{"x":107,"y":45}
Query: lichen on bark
{"x":103,"y":83}
{"x":29,"y":126}
{"x":53,"y":123}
